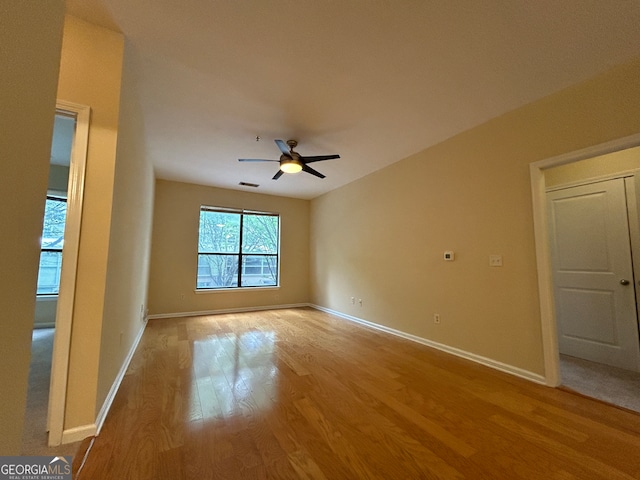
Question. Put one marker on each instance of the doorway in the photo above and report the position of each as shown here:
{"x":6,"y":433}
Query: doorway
{"x":542,"y":178}
{"x":57,"y":279}
{"x":34,"y":439}
{"x":593,"y":275}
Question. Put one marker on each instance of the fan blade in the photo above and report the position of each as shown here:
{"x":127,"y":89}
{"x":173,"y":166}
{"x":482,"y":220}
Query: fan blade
{"x":255,"y":160}
{"x":277,"y":175}
{"x":283,"y":148}
{"x":308,"y":169}
{"x":318,"y":158}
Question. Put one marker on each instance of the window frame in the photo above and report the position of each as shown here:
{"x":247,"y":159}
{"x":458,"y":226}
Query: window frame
{"x":239,"y":253}
{"x":58,"y":198}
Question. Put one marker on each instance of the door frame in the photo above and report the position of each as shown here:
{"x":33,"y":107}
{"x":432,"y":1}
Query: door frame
{"x":548,"y":325}
{"x":615,"y":194}
{"x":66,"y":297}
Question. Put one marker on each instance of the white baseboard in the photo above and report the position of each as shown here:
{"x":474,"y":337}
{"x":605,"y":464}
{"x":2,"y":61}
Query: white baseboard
{"x":76,"y":434}
{"x":102,"y":415}
{"x":503,"y":367}
{"x":227,"y":310}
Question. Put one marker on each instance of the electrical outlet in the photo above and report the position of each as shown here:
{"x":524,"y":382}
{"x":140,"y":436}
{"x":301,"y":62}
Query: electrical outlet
{"x":495,"y":260}
{"x":360,"y":301}
{"x":436,"y":318}
{"x":353,"y":300}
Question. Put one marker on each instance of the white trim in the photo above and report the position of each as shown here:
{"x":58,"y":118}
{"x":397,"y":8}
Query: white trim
{"x":38,"y":326}
{"x":631,"y":191}
{"x":85,"y":456}
{"x":589,"y":152}
{"x":226,"y":310}
{"x":77,"y":434}
{"x":551,"y":355}
{"x":108,"y":401}
{"x":66,"y":297}
{"x":52,"y":192}
{"x":503,"y":367}
{"x":206,"y":291}
{"x":47,"y":298}
{"x":543,"y":256}
{"x":591,"y":180}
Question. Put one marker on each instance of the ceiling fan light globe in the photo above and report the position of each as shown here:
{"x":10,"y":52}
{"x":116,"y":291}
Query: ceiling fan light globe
{"x":291,"y":167}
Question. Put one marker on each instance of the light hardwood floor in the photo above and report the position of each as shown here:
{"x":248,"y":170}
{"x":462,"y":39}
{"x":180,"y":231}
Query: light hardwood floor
{"x":301,"y":394}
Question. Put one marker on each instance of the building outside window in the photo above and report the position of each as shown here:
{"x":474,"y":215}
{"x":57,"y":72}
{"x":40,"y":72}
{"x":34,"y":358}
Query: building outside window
{"x":237,"y":248}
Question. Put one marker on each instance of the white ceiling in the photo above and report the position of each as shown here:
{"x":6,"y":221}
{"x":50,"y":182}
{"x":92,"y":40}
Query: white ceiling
{"x":374,"y":81}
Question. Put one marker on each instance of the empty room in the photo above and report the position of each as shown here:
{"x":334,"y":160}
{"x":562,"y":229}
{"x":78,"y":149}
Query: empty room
{"x":322,"y":239}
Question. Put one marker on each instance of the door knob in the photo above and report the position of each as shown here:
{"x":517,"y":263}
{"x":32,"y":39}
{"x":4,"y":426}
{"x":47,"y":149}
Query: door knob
{"x":624,"y":282}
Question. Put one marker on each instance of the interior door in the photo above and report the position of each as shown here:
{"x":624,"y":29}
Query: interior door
{"x":593,"y":274}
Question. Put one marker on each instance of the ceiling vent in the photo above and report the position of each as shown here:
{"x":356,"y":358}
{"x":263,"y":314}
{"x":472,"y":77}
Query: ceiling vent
{"x":246,"y":184}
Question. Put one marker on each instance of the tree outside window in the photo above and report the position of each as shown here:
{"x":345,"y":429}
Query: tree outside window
{"x":237,"y":249}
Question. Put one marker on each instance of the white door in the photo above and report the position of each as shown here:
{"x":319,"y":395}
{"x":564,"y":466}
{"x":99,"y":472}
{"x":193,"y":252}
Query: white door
{"x":593,"y":274}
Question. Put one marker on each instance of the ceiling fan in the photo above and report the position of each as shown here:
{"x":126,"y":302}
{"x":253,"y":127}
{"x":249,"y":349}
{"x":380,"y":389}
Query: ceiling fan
{"x":293,"y":162}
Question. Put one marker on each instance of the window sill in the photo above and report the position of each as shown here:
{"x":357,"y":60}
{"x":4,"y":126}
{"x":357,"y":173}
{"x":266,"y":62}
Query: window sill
{"x":204,"y":291}
{"x":46,"y":298}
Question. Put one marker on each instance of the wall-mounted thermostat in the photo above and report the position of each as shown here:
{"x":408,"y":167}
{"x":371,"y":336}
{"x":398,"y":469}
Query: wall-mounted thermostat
{"x":449,"y":256}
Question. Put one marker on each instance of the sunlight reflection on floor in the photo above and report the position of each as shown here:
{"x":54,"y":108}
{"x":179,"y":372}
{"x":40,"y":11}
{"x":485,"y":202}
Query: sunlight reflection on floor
{"x":234,"y":374}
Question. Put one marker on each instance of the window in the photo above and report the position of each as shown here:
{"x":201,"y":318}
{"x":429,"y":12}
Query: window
{"x":237,"y":249}
{"x":51,"y":243}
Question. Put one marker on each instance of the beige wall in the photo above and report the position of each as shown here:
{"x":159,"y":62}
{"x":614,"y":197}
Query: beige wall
{"x":382,"y":238}
{"x":130,"y":239}
{"x":45,"y":314}
{"x":175,"y":242}
{"x":90,"y":74}
{"x":30,"y":36}
{"x":58,"y":178}
{"x":610,"y":164}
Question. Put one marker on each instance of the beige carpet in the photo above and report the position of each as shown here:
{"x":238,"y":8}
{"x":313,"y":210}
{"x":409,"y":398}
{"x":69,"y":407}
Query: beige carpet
{"x":34,"y":438}
{"x":609,"y":384}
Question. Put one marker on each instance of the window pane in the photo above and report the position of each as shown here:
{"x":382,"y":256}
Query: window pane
{"x":219,"y":232}
{"x":260,"y":234}
{"x":49,"y":273}
{"x":252,"y":266}
{"x":217,"y":271}
{"x":237,"y":249}
{"x":55,"y":214}
{"x":259,"y":271}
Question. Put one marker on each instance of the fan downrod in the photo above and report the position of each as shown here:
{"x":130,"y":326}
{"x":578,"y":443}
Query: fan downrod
{"x":292,"y":144}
